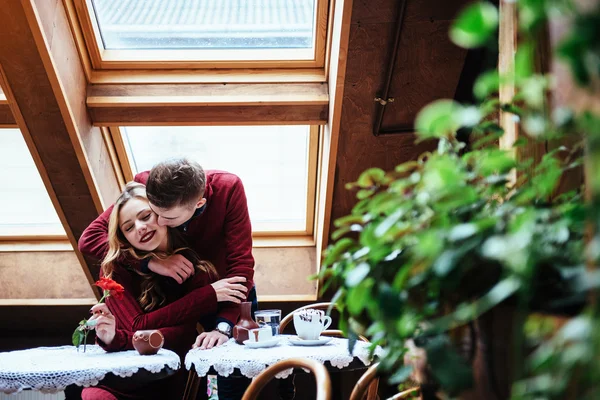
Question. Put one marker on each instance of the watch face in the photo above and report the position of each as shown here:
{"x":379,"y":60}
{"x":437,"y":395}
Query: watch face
{"x":224,"y":326}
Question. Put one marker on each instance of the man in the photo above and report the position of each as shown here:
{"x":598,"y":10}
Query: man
{"x":211,"y":211}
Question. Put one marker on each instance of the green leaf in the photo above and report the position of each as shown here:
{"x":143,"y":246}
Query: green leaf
{"x":467,"y":312}
{"x":494,"y":162}
{"x":445,"y":263}
{"x":384,"y":226}
{"x":334,"y":252}
{"x":486,"y":84}
{"x":547,"y":177}
{"x":359,"y":296}
{"x":77,"y":337}
{"x":357,"y":274}
{"x":524,"y":60}
{"x":533,"y":91}
{"x":438,"y":119}
{"x":407,"y":166}
{"x":475,"y":25}
{"x":401,"y":375}
{"x":371,"y":177}
{"x":364,"y":194}
{"x":348,"y":220}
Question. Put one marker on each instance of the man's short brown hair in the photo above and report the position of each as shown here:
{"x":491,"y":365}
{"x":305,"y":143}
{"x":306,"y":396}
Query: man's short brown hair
{"x":175,"y":182}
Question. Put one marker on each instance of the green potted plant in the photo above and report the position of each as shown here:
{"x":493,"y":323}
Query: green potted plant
{"x":439,"y":242}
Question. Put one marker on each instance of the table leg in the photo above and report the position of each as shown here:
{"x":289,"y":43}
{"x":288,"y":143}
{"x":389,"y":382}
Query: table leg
{"x":232,"y":387}
{"x":73,"y":392}
{"x":286,"y":388}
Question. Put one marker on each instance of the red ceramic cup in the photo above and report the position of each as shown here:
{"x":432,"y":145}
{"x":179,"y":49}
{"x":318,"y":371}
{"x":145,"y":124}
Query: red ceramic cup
{"x":148,"y":342}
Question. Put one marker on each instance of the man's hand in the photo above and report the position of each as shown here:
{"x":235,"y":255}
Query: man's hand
{"x":231,"y":289}
{"x":176,"y":266}
{"x":208,"y":340}
{"x":105,"y":323}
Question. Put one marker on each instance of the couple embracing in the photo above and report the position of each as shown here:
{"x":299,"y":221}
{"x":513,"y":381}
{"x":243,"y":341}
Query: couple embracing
{"x":179,"y":240}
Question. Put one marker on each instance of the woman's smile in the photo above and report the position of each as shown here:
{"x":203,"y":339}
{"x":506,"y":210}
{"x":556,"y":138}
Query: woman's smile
{"x":147,"y":237}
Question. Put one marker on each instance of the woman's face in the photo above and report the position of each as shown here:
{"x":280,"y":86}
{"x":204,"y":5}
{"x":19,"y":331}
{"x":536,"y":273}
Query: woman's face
{"x":138,"y":224}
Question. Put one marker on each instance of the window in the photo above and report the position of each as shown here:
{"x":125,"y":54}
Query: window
{"x":277,"y":165}
{"x":25,"y":207}
{"x":147,"y":31}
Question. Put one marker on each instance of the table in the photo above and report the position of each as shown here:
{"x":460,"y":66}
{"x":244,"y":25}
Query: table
{"x":52,"y":369}
{"x":251,"y":362}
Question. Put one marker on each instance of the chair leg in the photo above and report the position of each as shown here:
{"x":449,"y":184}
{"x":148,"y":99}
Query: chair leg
{"x":372,"y":391}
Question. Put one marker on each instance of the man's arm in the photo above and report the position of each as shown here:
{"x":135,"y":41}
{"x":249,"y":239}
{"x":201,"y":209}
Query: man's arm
{"x":94,"y":240}
{"x":238,"y":246}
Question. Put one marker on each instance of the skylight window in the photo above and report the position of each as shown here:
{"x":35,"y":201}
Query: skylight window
{"x":25,"y":207}
{"x":277,"y":165}
{"x":195,"y":31}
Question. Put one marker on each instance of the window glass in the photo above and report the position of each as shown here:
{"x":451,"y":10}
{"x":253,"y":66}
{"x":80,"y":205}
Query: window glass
{"x":272,"y":162}
{"x":25,"y":207}
{"x":205,"y":24}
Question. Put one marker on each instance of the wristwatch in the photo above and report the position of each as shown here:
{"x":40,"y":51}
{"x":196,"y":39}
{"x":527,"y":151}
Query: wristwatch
{"x":224,"y":328}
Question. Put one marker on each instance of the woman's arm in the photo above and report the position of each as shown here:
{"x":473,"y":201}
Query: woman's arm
{"x":177,"y":338}
{"x":200,"y":301}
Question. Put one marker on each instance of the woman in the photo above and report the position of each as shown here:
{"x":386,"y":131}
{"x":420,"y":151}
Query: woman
{"x":152,"y":301}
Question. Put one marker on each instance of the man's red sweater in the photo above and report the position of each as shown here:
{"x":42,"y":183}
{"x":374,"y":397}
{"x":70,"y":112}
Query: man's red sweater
{"x":221,"y":234}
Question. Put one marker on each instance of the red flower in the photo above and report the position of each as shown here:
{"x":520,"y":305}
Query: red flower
{"x":113,"y":288}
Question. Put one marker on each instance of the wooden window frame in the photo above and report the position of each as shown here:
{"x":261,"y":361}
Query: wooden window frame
{"x":103,"y":59}
{"x":262,"y":238}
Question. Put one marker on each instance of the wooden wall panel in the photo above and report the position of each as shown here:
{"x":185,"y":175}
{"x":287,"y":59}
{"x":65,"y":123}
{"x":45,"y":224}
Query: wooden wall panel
{"x":428,"y":66}
{"x":56,"y":274}
{"x":42,"y":275}
{"x":284,"y":271}
{"x":373,"y":24}
{"x":384,"y":12}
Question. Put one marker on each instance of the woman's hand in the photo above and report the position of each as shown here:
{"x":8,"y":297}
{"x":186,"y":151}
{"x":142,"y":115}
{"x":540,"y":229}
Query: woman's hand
{"x":230,"y":289}
{"x":106,"y":326}
{"x":176,"y":266}
{"x":208,"y":340}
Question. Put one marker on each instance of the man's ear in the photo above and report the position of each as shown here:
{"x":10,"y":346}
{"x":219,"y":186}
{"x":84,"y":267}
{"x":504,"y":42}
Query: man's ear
{"x":201,"y":202}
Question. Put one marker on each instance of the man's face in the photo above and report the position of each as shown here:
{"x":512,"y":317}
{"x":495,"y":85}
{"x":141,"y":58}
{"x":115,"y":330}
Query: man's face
{"x":175,"y":216}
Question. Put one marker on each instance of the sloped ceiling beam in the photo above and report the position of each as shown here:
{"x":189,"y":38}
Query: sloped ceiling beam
{"x":46,"y":90}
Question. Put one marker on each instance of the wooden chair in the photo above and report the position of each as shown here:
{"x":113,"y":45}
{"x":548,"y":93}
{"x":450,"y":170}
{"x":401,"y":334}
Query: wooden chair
{"x":374,"y":382}
{"x":320,"y":372}
{"x":192,"y":386}
{"x":368,"y":378}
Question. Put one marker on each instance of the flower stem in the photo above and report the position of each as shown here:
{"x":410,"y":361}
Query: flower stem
{"x":105,"y":294}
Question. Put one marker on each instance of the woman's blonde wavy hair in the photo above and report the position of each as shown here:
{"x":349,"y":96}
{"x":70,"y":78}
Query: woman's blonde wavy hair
{"x":120,"y":251}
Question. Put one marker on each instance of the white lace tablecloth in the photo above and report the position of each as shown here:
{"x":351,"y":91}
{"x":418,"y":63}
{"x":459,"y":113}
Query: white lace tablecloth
{"x":251,"y":362}
{"x":51,"y":369}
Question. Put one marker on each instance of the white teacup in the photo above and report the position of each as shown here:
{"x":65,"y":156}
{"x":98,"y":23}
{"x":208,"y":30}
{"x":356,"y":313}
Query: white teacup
{"x":260,"y":334}
{"x":310,"y":323}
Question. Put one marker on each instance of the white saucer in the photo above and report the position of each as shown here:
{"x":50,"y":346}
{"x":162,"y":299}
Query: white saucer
{"x":261,"y":345}
{"x":296,"y":341}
